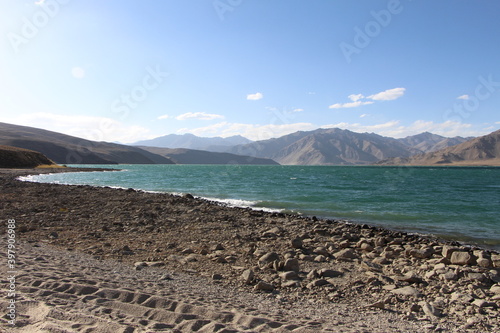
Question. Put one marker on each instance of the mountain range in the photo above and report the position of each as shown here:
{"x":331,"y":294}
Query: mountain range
{"x":319,"y":147}
{"x":484,"y":150}
{"x":191,"y":141}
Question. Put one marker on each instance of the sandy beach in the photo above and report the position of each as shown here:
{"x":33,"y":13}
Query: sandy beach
{"x":91,"y":259}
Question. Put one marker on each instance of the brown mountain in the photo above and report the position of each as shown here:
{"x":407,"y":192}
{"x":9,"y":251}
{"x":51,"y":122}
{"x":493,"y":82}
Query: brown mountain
{"x":327,"y":147}
{"x":12,"y":157}
{"x":484,"y":150}
{"x":66,"y":149}
{"x":428,"y":142}
{"x":193,"y":156}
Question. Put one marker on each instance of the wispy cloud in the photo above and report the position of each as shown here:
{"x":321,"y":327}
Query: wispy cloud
{"x":39,"y":2}
{"x":360,"y":100}
{"x":349,"y":105}
{"x":165,"y":116}
{"x":199,"y":116}
{"x":255,"y":97}
{"x":464,"y":97}
{"x":388,"y":95}
{"x":297,"y":110}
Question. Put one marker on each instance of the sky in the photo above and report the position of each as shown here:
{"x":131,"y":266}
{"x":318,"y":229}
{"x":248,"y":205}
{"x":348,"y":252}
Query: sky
{"x":124,"y":71}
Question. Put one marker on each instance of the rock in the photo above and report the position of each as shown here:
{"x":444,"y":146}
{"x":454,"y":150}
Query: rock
{"x":317,"y":283}
{"x":322,"y":251}
{"x":291,"y":264}
{"x":306,"y":257}
{"x":329,"y":273}
{"x":462,"y":258}
{"x":264,"y":286}
{"x":476,"y":277}
{"x":495,"y":258}
{"x":291,"y":283}
{"x":371,"y":266}
{"x":287,"y":276}
{"x":248,"y":276}
{"x":187,"y":251}
{"x":218,"y":247}
{"x":481,"y":303}
{"x":461,"y":298}
{"x":320,"y":258}
{"x":268,"y":258}
{"x":410,"y":277}
{"x":484,"y":262}
{"x":448,"y":250}
{"x":378,"y":304}
{"x":53,"y":235}
{"x":381,"y":261}
{"x":296,"y":243}
{"x":429,"y":309}
{"x":422,"y":253}
{"x":313,"y":275}
{"x":449,"y":276}
{"x":217,"y":277}
{"x":495,"y":289}
{"x":346,"y":254}
{"x":366,"y":247}
{"x":140,"y":264}
{"x":407,"y":291}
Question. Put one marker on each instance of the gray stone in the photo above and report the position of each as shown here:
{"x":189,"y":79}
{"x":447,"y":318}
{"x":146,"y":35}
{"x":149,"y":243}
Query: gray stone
{"x":329,"y":273}
{"x":322,"y":251}
{"x":422,"y":253}
{"x":291,"y":264}
{"x":448,"y":250}
{"x":268,"y":257}
{"x":264,"y":286}
{"x":407,"y":291}
{"x":346,"y":254}
{"x":462,"y":258}
{"x":317,"y":283}
{"x":429,"y":309}
{"x":248,"y":276}
{"x":287,"y":276}
{"x":484,"y":262}
{"x":461,"y":298}
{"x":495,"y":289}
{"x":217,"y":277}
{"x":320,"y":258}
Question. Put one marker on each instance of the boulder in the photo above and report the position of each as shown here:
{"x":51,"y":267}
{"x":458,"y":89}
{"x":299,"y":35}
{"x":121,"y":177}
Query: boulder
{"x":268,"y":258}
{"x":462,"y":258}
{"x":291,"y":264}
{"x":264,"y":286}
{"x":407,"y":291}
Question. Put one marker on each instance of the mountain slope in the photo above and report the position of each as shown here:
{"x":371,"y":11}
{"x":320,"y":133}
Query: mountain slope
{"x":327,"y":147}
{"x":192,"y":156}
{"x":428,"y":142}
{"x":484,"y":150}
{"x":191,"y":141}
{"x":13,"y":157}
{"x":65,"y":149}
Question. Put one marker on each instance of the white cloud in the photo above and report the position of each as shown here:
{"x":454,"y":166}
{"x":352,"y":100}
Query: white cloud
{"x":364,"y":115}
{"x":199,"y":116}
{"x":464,"y":97}
{"x":251,"y":131}
{"x":297,"y":110}
{"x":255,"y":97}
{"x":78,"y":72}
{"x":165,"y":116}
{"x":355,"y":97}
{"x":388,"y":95}
{"x":349,"y":105}
{"x":86,"y":127}
{"x":39,"y":2}
{"x":394,"y":128}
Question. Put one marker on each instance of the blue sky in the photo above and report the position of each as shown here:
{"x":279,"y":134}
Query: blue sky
{"x":130,"y":70}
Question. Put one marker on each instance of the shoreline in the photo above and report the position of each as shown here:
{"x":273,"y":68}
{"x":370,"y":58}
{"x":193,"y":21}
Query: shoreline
{"x":349,"y":277}
{"x":443,"y":238}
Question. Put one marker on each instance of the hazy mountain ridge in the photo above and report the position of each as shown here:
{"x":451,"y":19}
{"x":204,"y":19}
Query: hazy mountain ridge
{"x":193,"y":156}
{"x":428,"y":142}
{"x":484,"y":150}
{"x":191,"y":141}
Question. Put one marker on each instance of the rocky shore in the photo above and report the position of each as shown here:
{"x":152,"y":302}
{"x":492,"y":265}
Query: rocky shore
{"x":110,"y":260}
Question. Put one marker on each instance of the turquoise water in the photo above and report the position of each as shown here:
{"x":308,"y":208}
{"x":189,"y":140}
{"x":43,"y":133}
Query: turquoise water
{"x":456,"y":203}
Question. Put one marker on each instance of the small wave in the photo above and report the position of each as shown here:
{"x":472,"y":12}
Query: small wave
{"x":242,"y":204}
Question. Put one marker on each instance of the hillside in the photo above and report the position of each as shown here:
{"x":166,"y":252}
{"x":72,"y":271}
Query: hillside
{"x":65,"y":149}
{"x":484,"y":150}
{"x":12,"y":157}
{"x":191,"y":141}
{"x":427,"y":142}
{"x":327,"y":147}
{"x":192,"y":156}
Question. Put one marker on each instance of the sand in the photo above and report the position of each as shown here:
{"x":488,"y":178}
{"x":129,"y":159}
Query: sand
{"x":109,"y":260}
